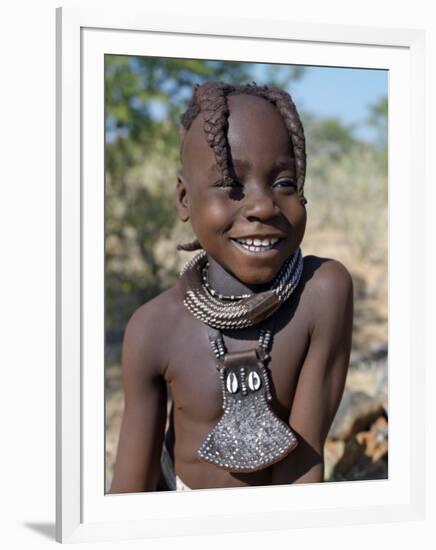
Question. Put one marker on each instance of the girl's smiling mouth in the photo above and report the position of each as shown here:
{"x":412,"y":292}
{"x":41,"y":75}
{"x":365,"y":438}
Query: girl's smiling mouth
{"x":258,"y":244}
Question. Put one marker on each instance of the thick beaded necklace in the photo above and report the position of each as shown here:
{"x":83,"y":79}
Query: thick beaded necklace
{"x":235,"y":312}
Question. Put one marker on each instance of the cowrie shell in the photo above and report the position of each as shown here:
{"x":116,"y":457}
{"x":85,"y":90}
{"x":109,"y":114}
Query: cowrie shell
{"x":254,"y":381}
{"x":232,"y":383}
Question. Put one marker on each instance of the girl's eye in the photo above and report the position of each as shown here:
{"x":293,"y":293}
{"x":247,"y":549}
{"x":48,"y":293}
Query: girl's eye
{"x":286,"y":183}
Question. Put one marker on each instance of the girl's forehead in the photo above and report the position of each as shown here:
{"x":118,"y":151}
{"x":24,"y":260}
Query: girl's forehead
{"x":254,"y":126}
{"x":249,"y":104}
{"x":255,"y":123}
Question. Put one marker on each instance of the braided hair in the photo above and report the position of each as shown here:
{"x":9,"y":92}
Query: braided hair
{"x":211,"y":99}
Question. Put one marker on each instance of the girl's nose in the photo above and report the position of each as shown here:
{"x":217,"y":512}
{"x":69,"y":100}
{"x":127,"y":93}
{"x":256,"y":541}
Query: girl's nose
{"x":260,"y":205}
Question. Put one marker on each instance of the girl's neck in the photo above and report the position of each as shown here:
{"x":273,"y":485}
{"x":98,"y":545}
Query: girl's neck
{"x":226,"y":283}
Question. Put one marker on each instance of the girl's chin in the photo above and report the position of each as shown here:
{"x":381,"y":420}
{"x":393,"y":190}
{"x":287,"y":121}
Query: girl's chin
{"x":256,"y":280}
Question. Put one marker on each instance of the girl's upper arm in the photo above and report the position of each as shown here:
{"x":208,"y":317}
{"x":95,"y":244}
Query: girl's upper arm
{"x":322,"y":377}
{"x":145,"y":402}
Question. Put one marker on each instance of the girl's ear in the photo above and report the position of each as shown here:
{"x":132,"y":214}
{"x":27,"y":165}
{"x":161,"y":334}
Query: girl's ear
{"x":182,"y":202}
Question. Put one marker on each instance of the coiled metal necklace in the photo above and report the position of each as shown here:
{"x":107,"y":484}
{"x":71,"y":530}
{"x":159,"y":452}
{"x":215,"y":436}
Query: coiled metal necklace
{"x":234,"y":312}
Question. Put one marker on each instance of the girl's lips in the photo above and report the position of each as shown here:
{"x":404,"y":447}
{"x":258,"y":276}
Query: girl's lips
{"x":255,"y":249}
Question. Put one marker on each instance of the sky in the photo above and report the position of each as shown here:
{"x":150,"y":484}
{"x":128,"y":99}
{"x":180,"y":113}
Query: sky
{"x":331,"y":92}
{"x":341,"y":93}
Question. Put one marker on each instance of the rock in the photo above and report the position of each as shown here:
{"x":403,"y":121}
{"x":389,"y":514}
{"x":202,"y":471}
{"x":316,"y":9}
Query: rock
{"x":365,"y":455}
{"x":356,"y":413}
{"x":375,"y":440}
{"x":378,"y":350}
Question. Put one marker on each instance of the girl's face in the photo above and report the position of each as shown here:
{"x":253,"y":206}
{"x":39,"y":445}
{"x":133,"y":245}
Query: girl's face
{"x":251,"y":226}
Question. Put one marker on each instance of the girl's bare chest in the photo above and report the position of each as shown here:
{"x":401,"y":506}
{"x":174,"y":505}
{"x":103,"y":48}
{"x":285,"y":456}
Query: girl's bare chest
{"x":194,"y":378}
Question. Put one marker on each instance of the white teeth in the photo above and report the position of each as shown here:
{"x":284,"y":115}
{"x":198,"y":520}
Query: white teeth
{"x":258,"y":242}
{"x":257,"y":245}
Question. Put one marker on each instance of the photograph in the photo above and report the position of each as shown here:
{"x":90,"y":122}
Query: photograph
{"x":245,"y":274}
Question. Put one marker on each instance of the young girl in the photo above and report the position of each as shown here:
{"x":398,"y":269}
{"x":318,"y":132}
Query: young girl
{"x":253,"y":340}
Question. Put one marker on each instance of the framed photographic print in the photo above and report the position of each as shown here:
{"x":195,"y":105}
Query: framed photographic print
{"x":124,"y":82}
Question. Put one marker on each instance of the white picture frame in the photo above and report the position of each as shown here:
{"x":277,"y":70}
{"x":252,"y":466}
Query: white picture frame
{"x":83,"y":511}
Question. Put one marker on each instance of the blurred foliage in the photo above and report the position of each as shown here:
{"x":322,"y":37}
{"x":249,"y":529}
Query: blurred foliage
{"x":378,"y":119}
{"x":347,"y":185}
{"x":350,"y":195}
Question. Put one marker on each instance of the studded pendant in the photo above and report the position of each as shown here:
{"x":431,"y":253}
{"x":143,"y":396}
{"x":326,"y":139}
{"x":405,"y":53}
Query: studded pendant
{"x":249,"y":436}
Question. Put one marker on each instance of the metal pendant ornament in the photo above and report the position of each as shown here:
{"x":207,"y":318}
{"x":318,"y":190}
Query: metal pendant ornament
{"x":249,"y":436}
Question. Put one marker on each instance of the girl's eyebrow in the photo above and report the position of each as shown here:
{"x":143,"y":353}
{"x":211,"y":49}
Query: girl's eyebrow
{"x":242,"y":164}
{"x":281,"y":164}
{"x":284,"y":164}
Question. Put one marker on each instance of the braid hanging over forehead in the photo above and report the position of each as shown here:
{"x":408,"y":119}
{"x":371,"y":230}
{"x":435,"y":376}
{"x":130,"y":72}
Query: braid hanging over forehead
{"x":210,"y":99}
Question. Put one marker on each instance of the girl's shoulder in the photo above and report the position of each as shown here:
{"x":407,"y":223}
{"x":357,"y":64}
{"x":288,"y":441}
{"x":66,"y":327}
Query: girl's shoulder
{"x":148,"y":331}
{"x":325,"y":272}
{"x":162,"y":310}
{"x":327,"y":283}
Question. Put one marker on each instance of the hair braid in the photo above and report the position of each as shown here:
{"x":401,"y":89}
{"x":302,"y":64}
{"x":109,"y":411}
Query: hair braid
{"x":210,"y":98}
{"x":213,"y":104}
{"x":288,"y":111}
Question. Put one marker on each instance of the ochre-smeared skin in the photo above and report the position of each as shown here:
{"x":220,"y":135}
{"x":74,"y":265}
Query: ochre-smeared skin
{"x":164,"y":343}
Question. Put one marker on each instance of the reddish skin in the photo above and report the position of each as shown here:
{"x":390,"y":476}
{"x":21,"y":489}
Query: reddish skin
{"x":164,"y":343}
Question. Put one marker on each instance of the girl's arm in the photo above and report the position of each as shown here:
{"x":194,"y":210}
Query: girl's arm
{"x":322,"y":377}
{"x":145,"y":403}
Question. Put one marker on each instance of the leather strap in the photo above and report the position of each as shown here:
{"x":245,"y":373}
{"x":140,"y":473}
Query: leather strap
{"x":248,"y":356}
